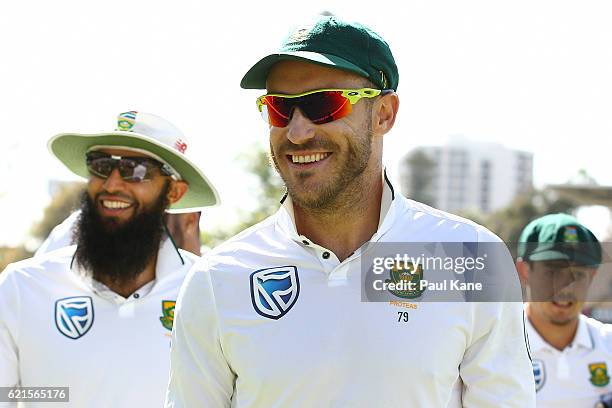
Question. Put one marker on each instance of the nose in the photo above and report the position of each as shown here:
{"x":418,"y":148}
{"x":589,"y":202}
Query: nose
{"x":300,"y":129}
{"x":114,"y":182}
{"x":564,"y":282}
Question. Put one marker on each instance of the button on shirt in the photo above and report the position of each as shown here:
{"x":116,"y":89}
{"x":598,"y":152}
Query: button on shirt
{"x":330,"y":349}
{"x":59,"y":328}
{"x":576,"y":376}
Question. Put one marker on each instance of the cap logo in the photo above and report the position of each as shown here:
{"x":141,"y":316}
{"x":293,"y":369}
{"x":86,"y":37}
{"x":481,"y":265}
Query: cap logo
{"x":126,"y":120}
{"x":300,"y":35}
{"x":570,"y":234}
{"x":383,"y":79}
{"x":180,"y":145}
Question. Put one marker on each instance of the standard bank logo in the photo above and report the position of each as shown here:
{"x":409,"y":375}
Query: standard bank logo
{"x":74,"y":316}
{"x":539,"y":373}
{"x":274,"y":291}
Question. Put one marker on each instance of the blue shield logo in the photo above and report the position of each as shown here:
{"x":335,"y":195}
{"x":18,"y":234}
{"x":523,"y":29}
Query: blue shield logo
{"x":538,"y":374}
{"x":74,"y":316}
{"x":274,"y":291}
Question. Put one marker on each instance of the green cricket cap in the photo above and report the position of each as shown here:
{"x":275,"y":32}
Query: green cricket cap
{"x":332,"y":42}
{"x":559,"y":237}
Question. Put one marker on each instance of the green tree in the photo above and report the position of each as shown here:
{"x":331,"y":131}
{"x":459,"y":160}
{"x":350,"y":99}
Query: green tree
{"x":270,"y":189}
{"x":509,"y":222}
{"x":420,"y":174}
{"x":64,"y":202}
{"x":9,"y":255}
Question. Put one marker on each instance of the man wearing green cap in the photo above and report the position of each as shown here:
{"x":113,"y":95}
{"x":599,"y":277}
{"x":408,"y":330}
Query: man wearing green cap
{"x":571,"y":354}
{"x":273,"y":317}
{"x":96,"y":317}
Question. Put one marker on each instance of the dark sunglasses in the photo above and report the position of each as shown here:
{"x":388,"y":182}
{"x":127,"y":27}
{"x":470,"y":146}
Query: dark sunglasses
{"x":131,"y":169}
{"x":320,"y":106}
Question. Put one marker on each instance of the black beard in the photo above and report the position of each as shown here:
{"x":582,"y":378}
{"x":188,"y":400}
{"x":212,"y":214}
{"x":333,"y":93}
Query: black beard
{"x":117,"y":253}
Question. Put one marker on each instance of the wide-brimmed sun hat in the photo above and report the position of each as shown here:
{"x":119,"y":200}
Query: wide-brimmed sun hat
{"x":147,"y":134}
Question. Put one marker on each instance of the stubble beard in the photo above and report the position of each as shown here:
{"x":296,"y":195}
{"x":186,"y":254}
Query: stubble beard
{"x":343,"y":186}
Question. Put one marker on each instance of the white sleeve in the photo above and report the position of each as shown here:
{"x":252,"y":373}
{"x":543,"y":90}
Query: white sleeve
{"x":199,"y":372}
{"x":496,"y":369}
{"x":9,"y":315}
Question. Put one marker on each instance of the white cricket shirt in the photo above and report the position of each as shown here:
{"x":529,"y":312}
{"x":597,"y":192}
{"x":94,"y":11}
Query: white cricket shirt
{"x":60,"y":329}
{"x":326,"y":348}
{"x":576,"y":376}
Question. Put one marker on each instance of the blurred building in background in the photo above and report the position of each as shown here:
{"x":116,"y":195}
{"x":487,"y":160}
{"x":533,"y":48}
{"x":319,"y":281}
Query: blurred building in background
{"x":466,"y":175}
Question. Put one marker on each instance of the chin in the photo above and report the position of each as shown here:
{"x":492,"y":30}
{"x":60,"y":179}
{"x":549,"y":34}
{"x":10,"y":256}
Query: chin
{"x":564,"y":318}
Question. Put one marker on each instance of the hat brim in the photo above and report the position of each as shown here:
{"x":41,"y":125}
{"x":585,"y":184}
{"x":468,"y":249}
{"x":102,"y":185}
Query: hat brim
{"x":256,"y":77}
{"x":70,"y":149}
{"x":553,"y":255}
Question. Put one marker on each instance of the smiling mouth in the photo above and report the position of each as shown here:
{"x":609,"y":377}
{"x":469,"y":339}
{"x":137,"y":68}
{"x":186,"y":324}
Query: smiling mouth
{"x":115,"y":205}
{"x":563,"y":303}
{"x":307,"y":158}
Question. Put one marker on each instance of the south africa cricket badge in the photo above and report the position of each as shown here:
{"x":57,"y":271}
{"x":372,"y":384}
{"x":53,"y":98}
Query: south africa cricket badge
{"x":408,"y":278}
{"x":167,"y":318}
{"x":126,"y":120}
{"x":599,"y":374}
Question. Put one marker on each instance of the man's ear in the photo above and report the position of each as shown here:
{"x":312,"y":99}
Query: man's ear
{"x":594,"y":272}
{"x":177,"y":190}
{"x":522,"y":268}
{"x":385,"y":112}
{"x":191,"y":221}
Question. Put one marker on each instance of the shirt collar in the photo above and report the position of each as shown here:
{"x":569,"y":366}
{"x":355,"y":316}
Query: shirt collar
{"x":581,"y":339}
{"x":285,"y":217}
{"x":583,"y":336}
{"x":169,"y":260}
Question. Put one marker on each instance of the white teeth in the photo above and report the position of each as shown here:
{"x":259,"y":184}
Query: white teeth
{"x":114,"y":204}
{"x":308,"y":158}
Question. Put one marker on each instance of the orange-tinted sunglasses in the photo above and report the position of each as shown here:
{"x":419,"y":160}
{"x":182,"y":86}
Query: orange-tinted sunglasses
{"x":320,"y":106}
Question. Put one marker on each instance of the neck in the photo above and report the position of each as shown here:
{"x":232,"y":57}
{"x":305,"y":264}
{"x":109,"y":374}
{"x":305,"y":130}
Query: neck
{"x":126,"y":289}
{"x":348,"y":223}
{"x":558,"y":336}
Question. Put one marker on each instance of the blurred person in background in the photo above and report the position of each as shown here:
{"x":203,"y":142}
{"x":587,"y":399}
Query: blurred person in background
{"x":571,"y":353}
{"x":185,"y":230}
{"x":96,"y":317}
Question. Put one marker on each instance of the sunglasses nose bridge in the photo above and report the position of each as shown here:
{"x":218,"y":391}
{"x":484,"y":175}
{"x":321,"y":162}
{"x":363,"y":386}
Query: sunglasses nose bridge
{"x":300,"y":128}
{"x":113,"y":180}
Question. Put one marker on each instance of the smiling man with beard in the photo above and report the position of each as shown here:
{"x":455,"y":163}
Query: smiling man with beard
{"x":275,"y":317}
{"x":118,"y":252}
{"x":96,"y":317}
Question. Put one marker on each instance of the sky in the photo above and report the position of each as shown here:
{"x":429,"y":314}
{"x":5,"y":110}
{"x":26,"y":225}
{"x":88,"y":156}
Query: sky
{"x":531,"y":75}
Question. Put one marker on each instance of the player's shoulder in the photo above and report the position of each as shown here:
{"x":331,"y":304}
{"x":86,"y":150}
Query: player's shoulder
{"x":596,"y":327}
{"x":51,"y":263}
{"x":599,"y":332}
{"x":444,"y":224}
{"x":189,"y":258}
{"x":252,"y":239}
{"x":233,"y":254}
